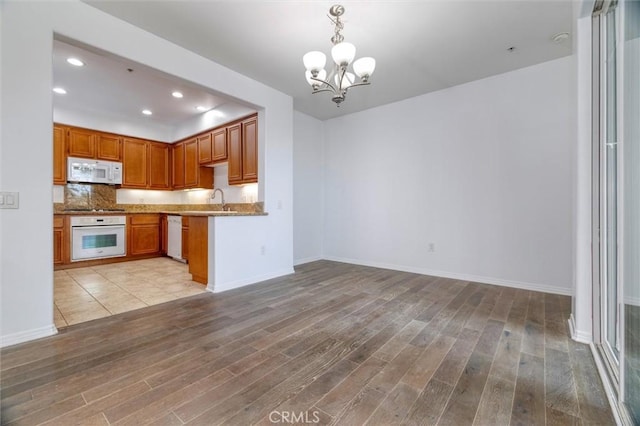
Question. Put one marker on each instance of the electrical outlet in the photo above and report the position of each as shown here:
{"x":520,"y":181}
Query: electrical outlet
{"x":431,"y":248}
{"x":263,"y":250}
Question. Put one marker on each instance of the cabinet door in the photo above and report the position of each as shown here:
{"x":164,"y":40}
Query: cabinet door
{"x":191,"y":164}
{"x":199,"y":249}
{"x":204,"y":149}
{"x":234,"y":135}
{"x":108,"y":147}
{"x":144,"y":235}
{"x":81,"y":143}
{"x":219,"y":145}
{"x":250,"y":150}
{"x":159,"y":165}
{"x":164,"y":234}
{"x":178,"y":166}
{"x":59,"y":156}
{"x":134,"y":163}
{"x":58,"y":240}
{"x":185,"y":238}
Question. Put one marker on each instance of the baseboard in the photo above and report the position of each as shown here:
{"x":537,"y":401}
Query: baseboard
{"x":25,"y":336}
{"x":241,"y":283}
{"x":577,"y":335}
{"x":457,"y":276}
{"x":297,"y":262}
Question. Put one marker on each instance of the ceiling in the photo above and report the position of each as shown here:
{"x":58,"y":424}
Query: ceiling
{"x":419,"y":46}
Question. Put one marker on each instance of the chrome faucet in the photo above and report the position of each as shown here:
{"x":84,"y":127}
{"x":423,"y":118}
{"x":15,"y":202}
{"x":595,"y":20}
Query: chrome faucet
{"x":213,"y":195}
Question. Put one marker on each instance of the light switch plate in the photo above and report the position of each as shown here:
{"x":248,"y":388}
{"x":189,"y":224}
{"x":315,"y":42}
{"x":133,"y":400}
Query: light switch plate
{"x":9,"y":200}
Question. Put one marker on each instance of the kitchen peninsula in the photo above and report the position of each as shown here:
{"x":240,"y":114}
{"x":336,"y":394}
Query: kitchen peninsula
{"x":209,"y":236}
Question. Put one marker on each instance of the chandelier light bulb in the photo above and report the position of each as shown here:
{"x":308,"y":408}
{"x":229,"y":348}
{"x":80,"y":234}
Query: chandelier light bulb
{"x":364,"y":67}
{"x":322,"y":74}
{"x":314,"y":61}
{"x":343,"y":53}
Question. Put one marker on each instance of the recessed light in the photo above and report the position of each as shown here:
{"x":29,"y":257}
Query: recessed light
{"x":59,"y":90}
{"x":75,"y":62}
{"x":177,"y":94}
{"x":147,"y":112}
{"x":202,"y":108}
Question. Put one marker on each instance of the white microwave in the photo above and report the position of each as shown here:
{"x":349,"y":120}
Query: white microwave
{"x":94,"y":171}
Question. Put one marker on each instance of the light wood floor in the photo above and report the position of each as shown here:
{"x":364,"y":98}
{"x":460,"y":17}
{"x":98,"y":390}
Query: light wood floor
{"x":333,"y":343}
{"x":85,"y":294}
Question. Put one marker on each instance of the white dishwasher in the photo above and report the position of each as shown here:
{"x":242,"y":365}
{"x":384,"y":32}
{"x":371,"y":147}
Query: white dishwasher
{"x":174,"y":241}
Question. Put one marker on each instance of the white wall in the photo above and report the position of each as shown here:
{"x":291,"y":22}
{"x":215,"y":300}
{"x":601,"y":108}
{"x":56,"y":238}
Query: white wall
{"x":308,"y":188}
{"x":482,"y":172}
{"x":27,"y":30}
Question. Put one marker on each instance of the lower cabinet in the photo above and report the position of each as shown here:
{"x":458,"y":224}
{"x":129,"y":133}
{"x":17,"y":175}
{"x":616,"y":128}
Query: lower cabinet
{"x":199,"y":248}
{"x":164,"y":234}
{"x":143,"y":234}
{"x":60,"y":240}
{"x":185,"y":238}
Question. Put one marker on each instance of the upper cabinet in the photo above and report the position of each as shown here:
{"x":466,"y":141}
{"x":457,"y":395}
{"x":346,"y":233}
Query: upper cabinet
{"x":134,"y":163}
{"x":109,"y":147}
{"x":205,"y":150}
{"x":88,"y":143}
{"x":250,"y":150}
{"x":212,"y":146}
{"x":156,"y":165}
{"x":219,"y":145}
{"x":146,"y":164}
{"x":159,"y":165}
{"x":243,"y":151}
{"x":59,"y":155}
{"x":187,"y":172}
{"x":178,"y":166}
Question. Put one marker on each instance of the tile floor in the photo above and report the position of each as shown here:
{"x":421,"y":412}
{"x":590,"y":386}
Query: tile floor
{"x":85,"y":294}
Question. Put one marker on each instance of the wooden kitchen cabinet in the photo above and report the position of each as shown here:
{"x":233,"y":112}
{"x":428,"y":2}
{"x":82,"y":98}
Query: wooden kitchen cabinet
{"x":187,"y":172}
{"x":219,"y":145}
{"x":234,"y":136}
{"x":212,"y":146}
{"x":81,"y":143}
{"x":250,"y":150}
{"x":109,"y":147}
{"x":159,"y":165}
{"x":185,"y":238}
{"x":199,"y":248}
{"x":243,"y":152}
{"x":143,"y":234}
{"x":59,"y":155}
{"x":164,"y":234}
{"x":178,"y":166}
{"x":205,"y":149}
{"x":134,"y":163}
{"x":87,"y":143}
{"x":60,"y":240}
{"x":191,"y":164}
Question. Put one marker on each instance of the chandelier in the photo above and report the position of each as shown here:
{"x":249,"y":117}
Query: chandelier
{"x":339,"y":80}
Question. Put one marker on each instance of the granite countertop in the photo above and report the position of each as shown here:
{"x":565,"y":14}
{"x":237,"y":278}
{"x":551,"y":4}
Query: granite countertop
{"x":238,"y":209}
{"x":213,"y":213}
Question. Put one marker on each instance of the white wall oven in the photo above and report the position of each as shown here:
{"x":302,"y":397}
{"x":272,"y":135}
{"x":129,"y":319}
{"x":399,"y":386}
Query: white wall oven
{"x":97,"y":237}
